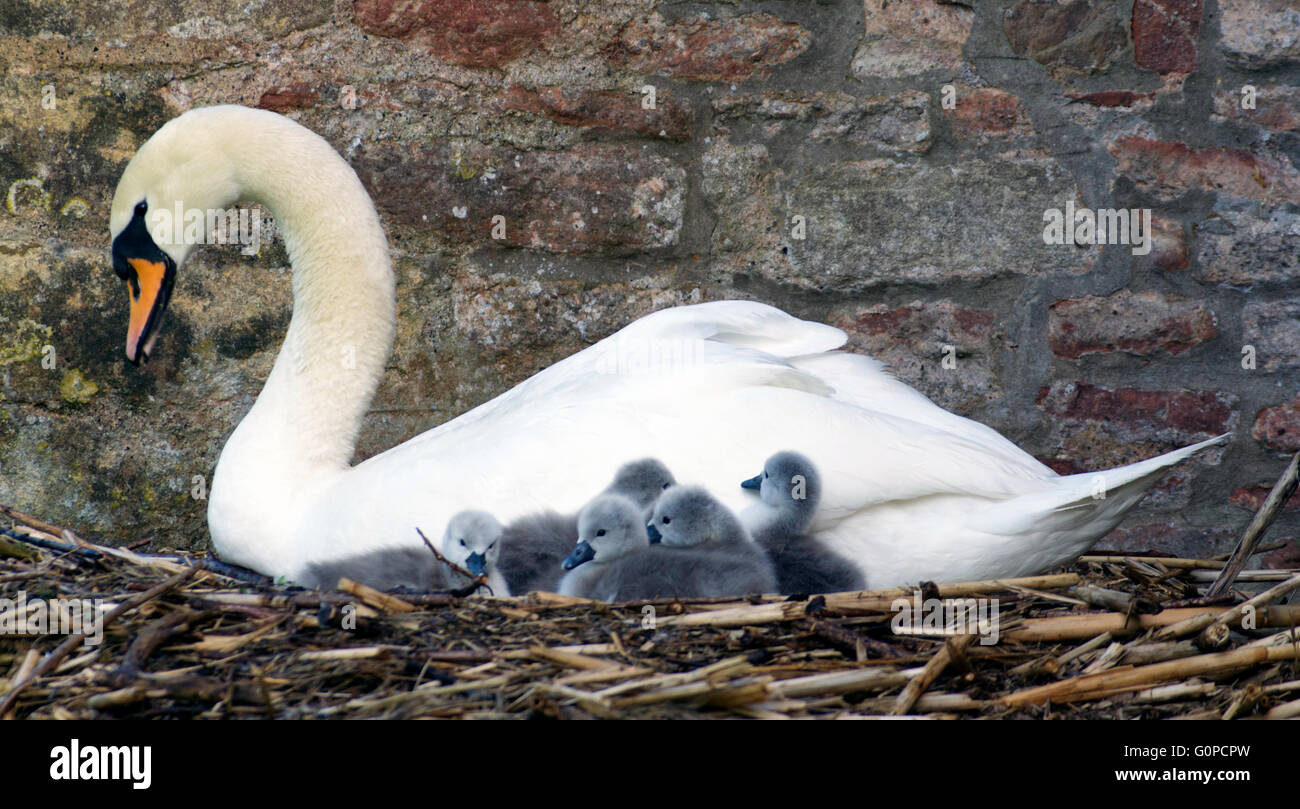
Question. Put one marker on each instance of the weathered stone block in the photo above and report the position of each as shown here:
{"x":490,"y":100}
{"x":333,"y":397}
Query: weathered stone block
{"x":1141,"y":323}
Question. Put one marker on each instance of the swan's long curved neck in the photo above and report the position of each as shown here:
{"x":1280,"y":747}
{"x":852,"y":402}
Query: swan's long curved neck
{"x":305,"y":421}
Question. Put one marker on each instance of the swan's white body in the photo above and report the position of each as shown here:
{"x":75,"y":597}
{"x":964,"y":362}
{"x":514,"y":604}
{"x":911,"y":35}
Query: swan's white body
{"x":911,"y":491}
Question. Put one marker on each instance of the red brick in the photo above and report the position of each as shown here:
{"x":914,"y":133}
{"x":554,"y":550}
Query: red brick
{"x":1168,"y":246}
{"x":591,"y":198}
{"x":1166,"y":539}
{"x":605,"y":110}
{"x":472,"y":33}
{"x":917,"y":319}
{"x":1164,"y":34}
{"x":905,"y":39}
{"x":287,"y":97}
{"x":1111,"y":98}
{"x":1279,"y":426}
{"x":1186,"y":413}
{"x":726,"y":49}
{"x":1277,"y":107}
{"x":989,"y":111}
{"x":911,"y":340}
{"x":1286,"y":557}
{"x":1175,"y":167}
{"x":1142,"y":323}
{"x":1252,"y":497}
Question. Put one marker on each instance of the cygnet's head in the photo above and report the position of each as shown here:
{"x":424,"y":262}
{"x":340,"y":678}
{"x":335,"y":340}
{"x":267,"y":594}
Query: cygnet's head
{"x":472,"y":540}
{"x":642,"y":481}
{"x":686,"y":516}
{"x":609,"y":528}
{"x":789,"y":483}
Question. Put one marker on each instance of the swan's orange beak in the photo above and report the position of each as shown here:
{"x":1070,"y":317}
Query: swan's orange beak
{"x":149,"y":274}
{"x":145,"y":291}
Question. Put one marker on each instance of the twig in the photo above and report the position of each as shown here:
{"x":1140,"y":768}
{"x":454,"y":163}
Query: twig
{"x":475,"y":581}
{"x":375,"y":598}
{"x":1167,"y":561}
{"x":1074,"y":627}
{"x":18,"y":516}
{"x":93,"y":551}
{"x":1215,"y":633}
{"x":913,"y":690}
{"x":1114,"y":600}
{"x":65,"y":648}
{"x":882,"y":600}
{"x":1117,"y":681}
{"x":1282,"y":491}
{"x":741,"y":616}
{"x":840,"y":682}
{"x":1091,"y":646}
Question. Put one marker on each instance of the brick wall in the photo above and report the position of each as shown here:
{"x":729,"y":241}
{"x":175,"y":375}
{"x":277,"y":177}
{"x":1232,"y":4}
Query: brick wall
{"x":913,"y":145}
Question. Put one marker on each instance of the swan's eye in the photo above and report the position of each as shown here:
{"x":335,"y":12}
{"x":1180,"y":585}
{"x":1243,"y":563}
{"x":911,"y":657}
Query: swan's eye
{"x":666,"y":520}
{"x":141,"y":207}
{"x":462,"y":544}
{"x":600,"y":533}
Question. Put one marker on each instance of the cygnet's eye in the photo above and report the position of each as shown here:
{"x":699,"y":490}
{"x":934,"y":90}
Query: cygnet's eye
{"x":600,"y":533}
{"x":764,"y":474}
{"x":666,"y":520}
{"x":141,"y":207}
{"x":666,"y":485}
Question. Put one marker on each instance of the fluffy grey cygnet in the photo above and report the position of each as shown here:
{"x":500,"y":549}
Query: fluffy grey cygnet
{"x":613,"y":560}
{"x":690,"y":517}
{"x":472,"y":540}
{"x":612,"y":545}
{"x":533,"y":546}
{"x":790,"y":490}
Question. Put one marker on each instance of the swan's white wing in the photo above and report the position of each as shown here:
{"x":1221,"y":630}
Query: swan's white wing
{"x":865,"y":382}
{"x":742,"y":323}
{"x":712,"y":412}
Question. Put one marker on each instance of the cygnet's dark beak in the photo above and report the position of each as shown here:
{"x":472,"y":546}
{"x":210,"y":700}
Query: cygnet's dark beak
{"x":581,"y":554}
{"x":476,"y":563}
{"x":653,"y":533}
{"x":755,"y":483}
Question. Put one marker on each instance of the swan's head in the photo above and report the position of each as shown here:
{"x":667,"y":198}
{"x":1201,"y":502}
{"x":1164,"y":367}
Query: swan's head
{"x":188,"y":165}
{"x":473,"y":541}
{"x":687,"y":516}
{"x":642,"y":481}
{"x":609,"y":528}
{"x":788,"y":482}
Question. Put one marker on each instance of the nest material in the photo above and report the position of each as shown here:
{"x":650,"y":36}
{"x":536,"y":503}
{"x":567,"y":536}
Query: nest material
{"x":1123,"y":637}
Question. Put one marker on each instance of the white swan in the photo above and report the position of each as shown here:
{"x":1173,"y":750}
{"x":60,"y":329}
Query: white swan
{"x":911,"y":492}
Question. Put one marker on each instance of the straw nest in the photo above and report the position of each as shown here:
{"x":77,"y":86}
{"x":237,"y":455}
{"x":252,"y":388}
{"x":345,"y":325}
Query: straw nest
{"x":1115,"y":636}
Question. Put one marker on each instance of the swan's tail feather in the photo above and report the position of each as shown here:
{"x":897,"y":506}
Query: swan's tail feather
{"x":1088,"y":504}
{"x":1129,"y":482}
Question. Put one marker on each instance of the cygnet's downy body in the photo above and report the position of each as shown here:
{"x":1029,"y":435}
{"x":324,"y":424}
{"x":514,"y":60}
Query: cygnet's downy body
{"x":789,"y":488}
{"x":705,"y":551}
{"x":612,"y":546}
{"x":533,"y":547}
{"x":472,"y":540}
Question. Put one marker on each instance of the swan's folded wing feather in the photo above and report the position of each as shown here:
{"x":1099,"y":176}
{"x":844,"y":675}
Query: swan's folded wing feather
{"x":740,"y":323}
{"x":865,"y":382}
